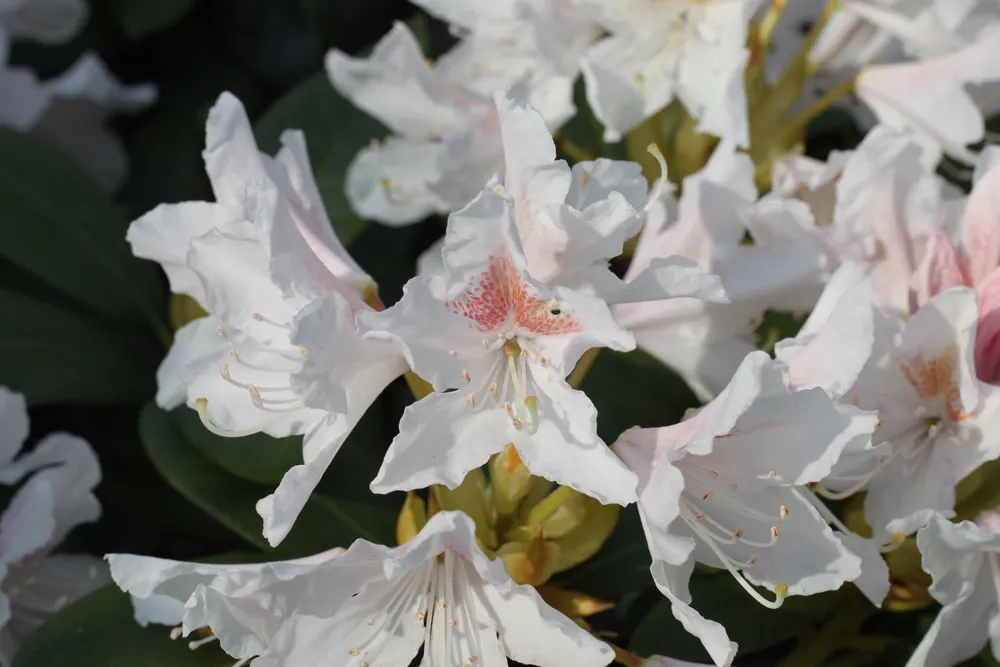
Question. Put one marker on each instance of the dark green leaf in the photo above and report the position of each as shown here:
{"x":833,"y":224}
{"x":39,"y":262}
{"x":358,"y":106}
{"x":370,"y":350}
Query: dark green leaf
{"x":323,"y":524}
{"x":141,"y":17}
{"x":620,"y":567}
{"x":257,"y":458}
{"x":335,"y":131}
{"x":634,"y":389}
{"x":59,"y":225}
{"x":54,"y":355}
{"x":718,"y":597}
{"x":99,"y":631}
{"x":777,"y":326}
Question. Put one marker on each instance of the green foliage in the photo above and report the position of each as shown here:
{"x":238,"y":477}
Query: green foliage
{"x":141,"y":17}
{"x":324,"y":523}
{"x":59,"y":225}
{"x":99,"y":631}
{"x":718,"y":597}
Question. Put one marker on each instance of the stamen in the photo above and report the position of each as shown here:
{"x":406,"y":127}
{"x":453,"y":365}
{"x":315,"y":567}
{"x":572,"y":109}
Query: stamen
{"x":201,"y":642}
{"x":662,"y":184}
{"x":202,"y":407}
{"x":452,"y":353}
{"x":465,"y":376}
{"x":783,"y":512}
{"x":471,"y":400}
{"x":780,"y":591}
{"x":267,"y":320}
{"x":175,"y":633}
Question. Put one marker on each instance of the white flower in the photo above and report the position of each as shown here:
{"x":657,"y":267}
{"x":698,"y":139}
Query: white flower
{"x":72,"y":110}
{"x":57,"y":479}
{"x":657,"y":52}
{"x":936,"y":419}
{"x":371,"y":606}
{"x":877,"y":207}
{"x":964,"y":561}
{"x":47,"y":21}
{"x":724,"y":488}
{"x":518,"y":297}
{"x":446,"y":142}
{"x":783,"y":269}
{"x":279,"y":352}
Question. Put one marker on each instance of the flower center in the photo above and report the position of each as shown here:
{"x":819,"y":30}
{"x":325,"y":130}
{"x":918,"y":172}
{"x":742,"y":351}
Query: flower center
{"x":507,"y":383}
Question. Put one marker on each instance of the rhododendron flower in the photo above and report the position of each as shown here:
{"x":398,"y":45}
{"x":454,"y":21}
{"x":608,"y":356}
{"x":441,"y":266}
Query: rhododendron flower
{"x":57,"y":478}
{"x":934,"y":414}
{"x":72,"y":110}
{"x":705,"y":342}
{"x":279,"y":351}
{"x":724,"y":487}
{"x":657,"y":52}
{"x":446,"y":140}
{"x":975,"y":264}
{"x":876,"y":207}
{"x":371,"y":606}
{"x":47,"y":21}
{"x":964,"y":561}
{"x":518,"y":298}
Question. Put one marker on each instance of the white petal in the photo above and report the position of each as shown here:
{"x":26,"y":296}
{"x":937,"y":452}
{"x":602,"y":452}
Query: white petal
{"x":612,"y":92}
{"x":40,"y":587}
{"x":164,"y":235}
{"x":158,"y":609}
{"x":48,"y":21}
{"x":534,"y":633}
{"x":567,"y":450}
{"x":28,"y":523}
{"x":232,"y":159}
{"x":23,"y":98}
{"x":396,"y":86}
{"x":197,"y":349}
{"x":390,"y":181}
{"x":13,"y":424}
{"x":441,"y":438}
{"x":670,"y":278}
{"x":874,"y":580}
{"x":534,"y":177}
{"x":673,"y":583}
{"x":960,"y":630}
{"x":836,"y":342}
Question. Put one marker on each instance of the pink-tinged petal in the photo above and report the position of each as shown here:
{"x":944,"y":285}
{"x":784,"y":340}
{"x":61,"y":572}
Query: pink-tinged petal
{"x":937,"y":353}
{"x":941,"y":269}
{"x":988,"y":332}
{"x":836,"y":341}
{"x":918,"y":95}
{"x":981,"y":227}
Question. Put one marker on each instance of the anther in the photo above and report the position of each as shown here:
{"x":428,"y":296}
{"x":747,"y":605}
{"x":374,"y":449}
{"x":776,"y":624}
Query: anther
{"x":370,"y":621}
{"x":708,"y":495}
{"x":752,"y":561}
{"x":452,"y":353}
{"x":509,"y":408}
{"x":175,"y":633}
{"x":493,"y":388}
{"x":201,"y":642}
{"x":783,"y":512}
{"x":471,"y":400}
{"x":774,"y":533}
{"x":771,"y":474}
{"x":465,"y":376}
{"x":733,"y":486}
{"x":737,"y":534}
{"x":354,"y":651}
{"x":486,"y":344}
{"x":221,"y":332}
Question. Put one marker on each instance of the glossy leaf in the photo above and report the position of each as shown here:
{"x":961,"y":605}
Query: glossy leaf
{"x":61,"y":226}
{"x":324,"y":523}
{"x":54,"y":355}
{"x":98,"y":630}
{"x":718,"y":597}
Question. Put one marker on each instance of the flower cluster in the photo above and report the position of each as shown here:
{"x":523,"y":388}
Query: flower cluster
{"x":887,"y":396}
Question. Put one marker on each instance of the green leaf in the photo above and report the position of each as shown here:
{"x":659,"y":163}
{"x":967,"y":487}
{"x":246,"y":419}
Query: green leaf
{"x":98,"y":630}
{"x":335,"y":131}
{"x":620,"y":567}
{"x":718,"y":597}
{"x":634,"y":389}
{"x":776,"y":326}
{"x":140,"y":17}
{"x":53,"y":355}
{"x":324,"y":523}
{"x":258,"y":458}
{"x":61,"y":226}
